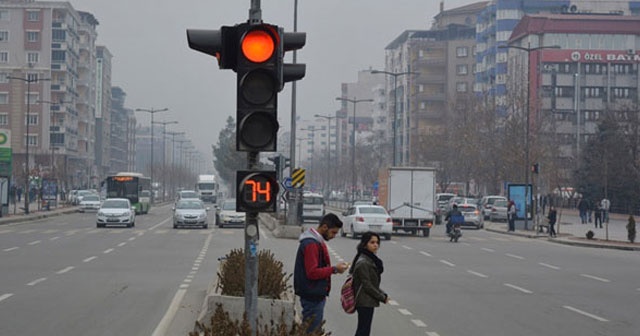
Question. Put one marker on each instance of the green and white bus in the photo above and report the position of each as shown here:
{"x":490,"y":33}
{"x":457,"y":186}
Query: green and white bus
{"x":133,"y":186}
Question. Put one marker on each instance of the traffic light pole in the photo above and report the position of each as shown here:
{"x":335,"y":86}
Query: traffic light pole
{"x":251,"y":240}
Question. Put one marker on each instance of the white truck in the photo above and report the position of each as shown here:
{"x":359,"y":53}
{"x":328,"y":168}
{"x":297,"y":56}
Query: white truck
{"x":207,"y":188}
{"x":408,"y":194}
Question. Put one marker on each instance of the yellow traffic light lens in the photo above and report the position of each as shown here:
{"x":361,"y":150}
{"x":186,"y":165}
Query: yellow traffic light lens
{"x":258,"y":46}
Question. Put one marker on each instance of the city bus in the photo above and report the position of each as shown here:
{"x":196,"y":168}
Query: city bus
{"x":133,"y":186}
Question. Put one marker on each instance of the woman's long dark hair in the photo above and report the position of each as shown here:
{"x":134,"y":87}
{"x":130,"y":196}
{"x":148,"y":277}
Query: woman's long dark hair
{"x":362,"y":245}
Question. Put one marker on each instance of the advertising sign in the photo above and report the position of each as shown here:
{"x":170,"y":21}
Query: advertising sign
{"x":49,"y":189}
{"x":516,"y":193}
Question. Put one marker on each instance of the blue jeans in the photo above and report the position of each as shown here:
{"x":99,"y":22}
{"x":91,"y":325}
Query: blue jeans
{"x":313,"y":310}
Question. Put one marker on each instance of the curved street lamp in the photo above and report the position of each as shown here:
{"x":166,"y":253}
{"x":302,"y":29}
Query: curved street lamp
{"x":152,"y":111}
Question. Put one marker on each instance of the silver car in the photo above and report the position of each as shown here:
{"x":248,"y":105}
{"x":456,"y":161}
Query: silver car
{"x":498,"y":211}
{"x":116,"y":211}
{"x":472,"y":216}
{"x":90,"y":203}
{"x":189,"y":212}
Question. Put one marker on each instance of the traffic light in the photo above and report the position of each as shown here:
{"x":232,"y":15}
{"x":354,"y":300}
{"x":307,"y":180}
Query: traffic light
{"x":257,"y":87}
{"x":289,"y":72}
{"x":222,"y":44}
{"x":257,"y":191}
{"x":535,"y":168}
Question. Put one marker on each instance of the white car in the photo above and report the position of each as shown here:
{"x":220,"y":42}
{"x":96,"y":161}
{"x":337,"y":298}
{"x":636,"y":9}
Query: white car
{"x":362,"y":218}
{"x":90,"y":203}
{"x":116,"y":211}
{"x":228,"y":215}
{"x":190,"y":213}
{"x":472,"y":216}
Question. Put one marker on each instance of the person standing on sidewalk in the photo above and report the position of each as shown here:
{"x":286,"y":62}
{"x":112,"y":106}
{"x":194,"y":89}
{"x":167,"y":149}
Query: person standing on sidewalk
{"x":598,"y":216}
{"x":552,"y":217}
{"x":511,"y":215}
{"x":583,"y":208}
{"x":605,"y":205}
{"x":313,"y":270}
{"x":367,"y":269}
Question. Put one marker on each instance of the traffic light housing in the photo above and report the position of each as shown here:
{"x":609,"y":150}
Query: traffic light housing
{"x":257,"y":191}
{"x":257,"y":88}
{"x":535,"y":168}
{"x":221,"y":44}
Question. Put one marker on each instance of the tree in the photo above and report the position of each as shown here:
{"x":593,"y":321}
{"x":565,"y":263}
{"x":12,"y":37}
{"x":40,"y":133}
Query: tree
{"x":225,"y":157}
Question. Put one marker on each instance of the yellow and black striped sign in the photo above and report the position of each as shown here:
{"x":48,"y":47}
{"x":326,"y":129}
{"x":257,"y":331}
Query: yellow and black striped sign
{"x":298,"y":178}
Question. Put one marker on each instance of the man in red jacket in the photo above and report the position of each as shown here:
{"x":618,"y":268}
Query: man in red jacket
{"x":313,"y":270}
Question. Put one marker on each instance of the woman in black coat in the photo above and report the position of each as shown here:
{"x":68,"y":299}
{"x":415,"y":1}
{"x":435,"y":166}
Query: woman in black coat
{"x":366,"y":270}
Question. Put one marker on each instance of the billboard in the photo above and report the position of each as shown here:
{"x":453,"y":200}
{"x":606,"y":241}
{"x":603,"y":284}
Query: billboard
{"x":521,"y":195}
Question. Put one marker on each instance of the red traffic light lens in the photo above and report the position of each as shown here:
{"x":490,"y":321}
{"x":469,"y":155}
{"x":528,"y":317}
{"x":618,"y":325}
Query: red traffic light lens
{"x":258,"y":46}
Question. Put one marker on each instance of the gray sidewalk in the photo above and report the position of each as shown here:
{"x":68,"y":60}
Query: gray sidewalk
{"x":34,"y":212}
{"x":572,"y":232}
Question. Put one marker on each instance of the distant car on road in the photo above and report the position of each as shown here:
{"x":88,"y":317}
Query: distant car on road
{"x":486,"y":203}
{"x":498,"y":211}
{"x":90,"y":203}
{"x":190,"y":213}
{"x":362,"y":218}
{"x":116,"y":211}
{"x":228,"y":215}
{"x":472,"y":215}
{"x":187,"y":194}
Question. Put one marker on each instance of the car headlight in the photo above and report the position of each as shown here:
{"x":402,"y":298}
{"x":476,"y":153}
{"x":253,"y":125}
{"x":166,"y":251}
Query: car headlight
{"x":100,"y":213}
{"x":127,"y":213}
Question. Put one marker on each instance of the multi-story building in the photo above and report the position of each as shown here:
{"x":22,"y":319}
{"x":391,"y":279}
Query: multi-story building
{"x":594,"y":73}
{"x":122,"y":126}
{"x":426,"y":71}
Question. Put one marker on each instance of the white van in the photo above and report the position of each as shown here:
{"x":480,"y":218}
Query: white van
{"x":313,"y":206}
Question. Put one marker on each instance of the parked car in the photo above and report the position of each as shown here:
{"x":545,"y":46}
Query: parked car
{"x":190,"y":213}
{"x":498,"y":211}
{"x":472,"y":215}
{"x":90,"y":203}
{"x":228,"y":215}
{"x":362,"y":218}
{"x":116,"y":211}
{"x":487,"y":202}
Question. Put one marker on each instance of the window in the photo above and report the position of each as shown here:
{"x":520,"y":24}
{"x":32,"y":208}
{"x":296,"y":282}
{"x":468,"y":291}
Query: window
{"x":4,"y":36}
{"x":32,"y":119}
{"x":33,"y":15}
{"x":33,"y":57}
{"x":32,"y":77}
{"x":420,"y":87}
{"x":32,"y":139}
{"x":4,"y":98}
{"x":33,"y":36}
{"x":58,"y":35}
{"x":3,"y":77}
{"x":462,"y":51}
{"x":461,"y":69}
{"x":33,"y":98}
{"x":4,"y":119}
{"x":4,"y":15}
{"x":58,"y":56}
{"x":461,"y":87}
{"x":4,"y":57}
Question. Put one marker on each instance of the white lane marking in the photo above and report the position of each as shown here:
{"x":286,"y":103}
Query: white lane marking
{"x":488,"y":249}
{"x":37,"y":281}
{"x":447,"y":263}
{"x":514,"y":256}
{"x":6,"y":231}
{"x":466,"y":244}
{"x":263,"y":234}
{"x":163,"y":326}
{"x":50,"y":231}
{"x":54,"y":238}
{"x":11,"y":249}
{"x":432,"y":333}
{"x":122,"y":244}
{"x":595,"y":277}
{"x":419,"y":323}
{"x":107,"y":251}
{"x":195,"y":268}
{"x":426,"y":253}
{"x":5,"y":296}
{"x":65,"y":270}
{"x":595,"y":317}
{"x":132,"y":238}
{"x":395,"y":303}
{"x":404,"y":312}
{"x":35,"y":242}
{"x":184,"y":286}
{"x":89,"y":259}
{"x":393,"y":242}
{"x":159,"y":224}
{"x":407,"y":247}
{"x":549,"y":266}
{"x":526,"y":291}
{"x":187,"y":280}
{"x":161,"y":231}
{"x":478,"y":274}
{"x":26,"y":231}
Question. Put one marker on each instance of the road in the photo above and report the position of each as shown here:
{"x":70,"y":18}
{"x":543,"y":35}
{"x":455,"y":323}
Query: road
{"x":62,"y":276}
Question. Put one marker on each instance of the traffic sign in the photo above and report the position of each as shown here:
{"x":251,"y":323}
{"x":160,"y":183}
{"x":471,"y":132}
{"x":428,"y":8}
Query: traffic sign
{"x":298,"y":178}
{"x":287,"y":183}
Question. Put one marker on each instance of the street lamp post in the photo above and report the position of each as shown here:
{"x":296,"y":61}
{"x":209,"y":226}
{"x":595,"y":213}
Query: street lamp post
{"x":27,"y":80}
{"x":151,"y":111}
{"x":173,"y":158}
{"x":164,"y":167}
{"x":395,"y":76}
{"x":313,"y":146}
{"x":353,"y":135}
{"x":53,"y":148}
{"x":528,"y":50}
{"x":329,"y":118}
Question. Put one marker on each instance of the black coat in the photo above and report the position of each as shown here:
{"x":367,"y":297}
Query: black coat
{"x":366,"y":282}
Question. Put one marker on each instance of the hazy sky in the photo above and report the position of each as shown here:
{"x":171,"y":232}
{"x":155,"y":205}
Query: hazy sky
{"x":156,"y":68}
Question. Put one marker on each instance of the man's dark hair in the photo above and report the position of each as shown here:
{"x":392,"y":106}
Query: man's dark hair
{"x":331,"y":220}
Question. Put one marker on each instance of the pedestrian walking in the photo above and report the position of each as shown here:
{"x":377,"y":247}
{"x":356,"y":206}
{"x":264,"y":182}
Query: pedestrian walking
{"x":605,"y":204}
{"x":597,"y":216}
{"x":583,"y":208}
{"x":367,"y":269}
{"x":313,"y":270}
{"x":552,"y":217}
{"x":19,"y":191}
{"x":511,"y":215}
